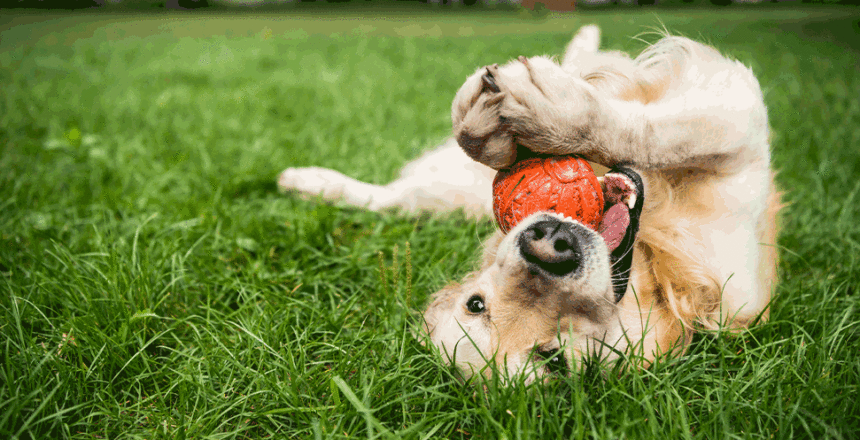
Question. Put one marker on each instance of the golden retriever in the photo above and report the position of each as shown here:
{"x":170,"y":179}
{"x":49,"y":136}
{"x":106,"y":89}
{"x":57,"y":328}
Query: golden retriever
{"x":688,"y":239}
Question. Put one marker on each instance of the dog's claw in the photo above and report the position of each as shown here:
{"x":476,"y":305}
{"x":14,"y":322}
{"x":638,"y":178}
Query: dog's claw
{"x":490,"y":83}
{"x":489,"y":78}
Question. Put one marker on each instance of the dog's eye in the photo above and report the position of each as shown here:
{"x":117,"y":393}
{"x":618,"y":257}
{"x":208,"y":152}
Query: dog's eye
{"x":475,"y":304}
{"x":556,"y":362}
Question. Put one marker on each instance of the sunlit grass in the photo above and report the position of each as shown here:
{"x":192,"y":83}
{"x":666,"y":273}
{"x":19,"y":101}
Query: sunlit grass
{"x":154,"y":284}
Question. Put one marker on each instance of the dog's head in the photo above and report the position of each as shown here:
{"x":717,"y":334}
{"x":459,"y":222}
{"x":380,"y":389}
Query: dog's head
{"x":546,"y":294}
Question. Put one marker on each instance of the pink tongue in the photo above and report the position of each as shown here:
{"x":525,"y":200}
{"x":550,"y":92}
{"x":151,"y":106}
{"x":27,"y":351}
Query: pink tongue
{"x":614,"y":225}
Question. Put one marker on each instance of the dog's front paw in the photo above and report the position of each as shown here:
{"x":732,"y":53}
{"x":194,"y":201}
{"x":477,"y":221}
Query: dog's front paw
{"x":549,"y":111}
{"x":479,"y":126}
{"x":312,"y":182}
{"x":529,"y":102}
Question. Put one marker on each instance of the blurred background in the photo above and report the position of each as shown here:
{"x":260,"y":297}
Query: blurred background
{"x":551,"y":5}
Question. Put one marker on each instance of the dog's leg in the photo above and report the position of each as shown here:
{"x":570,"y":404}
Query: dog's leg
{"x":333,"y":186}
{"x":585,"y":42}
{"x":707,"y":113}
{"x":441,"y":180}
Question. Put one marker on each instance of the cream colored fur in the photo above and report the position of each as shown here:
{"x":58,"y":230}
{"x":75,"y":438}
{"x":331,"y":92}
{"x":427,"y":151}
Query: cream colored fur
{"x":690,"y":121}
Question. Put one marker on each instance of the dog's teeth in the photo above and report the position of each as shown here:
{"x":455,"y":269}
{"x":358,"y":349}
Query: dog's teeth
{"x":600,"y":180}
{"x":631,"y":201}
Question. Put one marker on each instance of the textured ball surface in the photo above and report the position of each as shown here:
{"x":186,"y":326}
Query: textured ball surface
{"x":562,"y":184}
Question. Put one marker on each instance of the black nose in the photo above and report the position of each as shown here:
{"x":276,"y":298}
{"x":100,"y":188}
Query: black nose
{"x":551,"y":245}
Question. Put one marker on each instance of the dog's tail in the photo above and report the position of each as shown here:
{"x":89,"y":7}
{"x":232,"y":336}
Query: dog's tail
{"x":586,"y":41}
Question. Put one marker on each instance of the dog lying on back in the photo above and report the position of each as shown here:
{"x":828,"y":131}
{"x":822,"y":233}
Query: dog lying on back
{"x":685,"y":134}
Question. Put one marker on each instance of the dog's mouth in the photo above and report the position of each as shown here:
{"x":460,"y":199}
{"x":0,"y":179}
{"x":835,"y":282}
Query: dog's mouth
{"x":624,"y":196}
{"x":558,"y":246}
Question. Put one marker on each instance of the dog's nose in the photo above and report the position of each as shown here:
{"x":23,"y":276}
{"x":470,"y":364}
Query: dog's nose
{"x":551,"y":245}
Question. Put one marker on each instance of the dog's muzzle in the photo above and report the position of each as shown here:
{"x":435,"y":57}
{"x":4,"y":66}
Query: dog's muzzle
{"x":557,"y":247}
{"x":553,"y":246}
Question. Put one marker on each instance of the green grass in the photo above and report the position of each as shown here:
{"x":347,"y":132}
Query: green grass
{"x":154,"y":284}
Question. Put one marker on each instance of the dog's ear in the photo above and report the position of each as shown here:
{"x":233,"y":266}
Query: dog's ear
{"x":440,"y":302}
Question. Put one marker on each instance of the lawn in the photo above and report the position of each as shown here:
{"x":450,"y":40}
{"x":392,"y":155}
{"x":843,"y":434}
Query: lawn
{"x":154,"y":283}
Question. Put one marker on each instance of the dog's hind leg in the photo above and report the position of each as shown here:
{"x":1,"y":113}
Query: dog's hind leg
{"x":583,"y":56}
{"x":586,"y":41}
{"x":333,"y":186}
{"x":444,"y":179}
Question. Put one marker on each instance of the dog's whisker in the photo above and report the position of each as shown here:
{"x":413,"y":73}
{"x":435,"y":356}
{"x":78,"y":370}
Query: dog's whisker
{"x":619,"y":260}
{"x":626,"y":272}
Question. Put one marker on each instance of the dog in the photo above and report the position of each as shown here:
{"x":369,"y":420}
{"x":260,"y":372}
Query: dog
{"x":680,"y":136}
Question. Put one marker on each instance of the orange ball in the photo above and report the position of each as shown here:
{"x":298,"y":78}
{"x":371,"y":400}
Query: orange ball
{"x":562,"y":184}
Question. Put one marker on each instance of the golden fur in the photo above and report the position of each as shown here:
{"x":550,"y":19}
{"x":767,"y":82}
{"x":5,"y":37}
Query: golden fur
{"x":691,"y":122}
{"x":709,"y":193}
